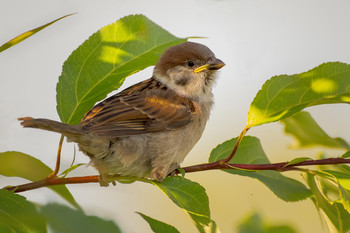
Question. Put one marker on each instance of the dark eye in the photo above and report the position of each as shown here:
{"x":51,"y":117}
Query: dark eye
{"x":190,"y":63}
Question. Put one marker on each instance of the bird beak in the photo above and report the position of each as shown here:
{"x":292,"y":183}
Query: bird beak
{"x":213,"y":64}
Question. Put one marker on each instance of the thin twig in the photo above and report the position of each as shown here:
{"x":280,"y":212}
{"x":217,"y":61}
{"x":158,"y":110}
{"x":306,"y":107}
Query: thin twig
{"x":257,"y":167}
{"x":235,"y":148}
{"x":53,"y":181}
{"x":58,"y":160}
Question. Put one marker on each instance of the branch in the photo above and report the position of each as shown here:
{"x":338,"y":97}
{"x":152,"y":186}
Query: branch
{"x":284,"y":166}
{"x":52,"y":178}
{"x":53,"y":181}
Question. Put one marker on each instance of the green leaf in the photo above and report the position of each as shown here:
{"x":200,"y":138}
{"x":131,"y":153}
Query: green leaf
{"x":19,"y":215}
{"x":297,"y":160}
{"x":191,"y":197}
{"x":334,"y":211}
{"x":101,"y":64}
{"x":285,"y":95}
{"x":4,"y":229}
{"x":343,"y":182}
{"x":251,"y":152}
{"x":345,"y":198}
{"x":344,"y":168}
{"x":17,"y":164}
{"x":255,"y":224}
{"x":343,"y":178}
{"x":182,"y":171}
{"x":212,"y":228}
{"x":28,"y":34}
{"x":67,"y":171}
{"x":63,"y":219}
{"x":308,"y":133}
{"x":158,"y":226}
{"x":346,"y":155}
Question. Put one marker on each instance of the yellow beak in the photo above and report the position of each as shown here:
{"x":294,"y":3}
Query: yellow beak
{"x":212,"y":65}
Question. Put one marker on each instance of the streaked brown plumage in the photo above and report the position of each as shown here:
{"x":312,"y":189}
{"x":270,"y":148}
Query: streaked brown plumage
{"x":146,"y":107}
{"x":147,"y":129}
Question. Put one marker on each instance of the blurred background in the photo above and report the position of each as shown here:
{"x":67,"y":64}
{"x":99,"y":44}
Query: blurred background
{"x":256,"y":39}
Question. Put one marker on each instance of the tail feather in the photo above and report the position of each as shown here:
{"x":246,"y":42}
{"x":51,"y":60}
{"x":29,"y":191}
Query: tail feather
{"x":50,"y":125}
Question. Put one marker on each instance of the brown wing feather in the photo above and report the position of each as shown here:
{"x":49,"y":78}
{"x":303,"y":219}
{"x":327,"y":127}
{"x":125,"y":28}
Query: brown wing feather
{"x":145,"y":107}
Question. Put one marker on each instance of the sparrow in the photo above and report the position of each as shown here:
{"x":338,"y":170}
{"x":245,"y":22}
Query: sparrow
{"x":147,"y":129}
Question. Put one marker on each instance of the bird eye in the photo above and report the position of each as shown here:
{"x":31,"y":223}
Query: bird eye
{"x":190,"y":63}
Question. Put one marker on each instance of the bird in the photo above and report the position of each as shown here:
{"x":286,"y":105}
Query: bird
{"x":147,"y":130}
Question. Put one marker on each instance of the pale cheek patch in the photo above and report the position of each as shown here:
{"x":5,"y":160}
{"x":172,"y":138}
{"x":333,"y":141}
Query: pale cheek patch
{"x":187,"y":83}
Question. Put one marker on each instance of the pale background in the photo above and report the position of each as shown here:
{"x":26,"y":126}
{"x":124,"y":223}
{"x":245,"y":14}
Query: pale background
{"x":256,"y":39}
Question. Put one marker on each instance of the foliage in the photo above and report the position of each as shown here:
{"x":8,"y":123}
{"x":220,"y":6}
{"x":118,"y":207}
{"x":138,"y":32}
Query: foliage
{"x":101,"y":64}
{"x":308,"y":133}
{"x":285,"y":95}
{"x":17,"y":164}
{"x":189,"y":196}
{"x":27,"y":34}
{"x":64,"y":219}
{"x":255,"y":224}
{"x":19,"y":215}
{"x":158,"y":226}
{"x":251,"y":152}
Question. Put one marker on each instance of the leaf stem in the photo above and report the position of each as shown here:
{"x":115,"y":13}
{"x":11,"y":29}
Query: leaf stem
{"x":235,"y":148}
{"x":58,"y":159}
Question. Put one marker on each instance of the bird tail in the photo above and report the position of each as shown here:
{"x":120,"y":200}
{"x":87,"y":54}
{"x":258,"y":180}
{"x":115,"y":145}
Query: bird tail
{"x":50,"y":125}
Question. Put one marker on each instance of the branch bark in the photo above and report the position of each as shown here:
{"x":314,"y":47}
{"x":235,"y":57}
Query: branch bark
{"x":218,"y":165}
{"x":53,"y":181}
{"x":284,"y":166}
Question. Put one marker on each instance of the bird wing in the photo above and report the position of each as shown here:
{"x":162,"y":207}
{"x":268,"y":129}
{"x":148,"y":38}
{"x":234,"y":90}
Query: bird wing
{"x":143,"y":108}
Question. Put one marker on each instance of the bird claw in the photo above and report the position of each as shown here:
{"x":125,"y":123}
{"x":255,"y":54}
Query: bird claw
{"x":105,"y":179}
{"x":158,"y":174}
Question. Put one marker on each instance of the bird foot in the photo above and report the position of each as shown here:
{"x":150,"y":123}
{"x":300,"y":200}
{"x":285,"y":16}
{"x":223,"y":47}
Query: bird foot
{"x":105,"y":179}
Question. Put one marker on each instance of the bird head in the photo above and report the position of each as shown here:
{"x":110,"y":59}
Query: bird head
{"x":189,"y":70}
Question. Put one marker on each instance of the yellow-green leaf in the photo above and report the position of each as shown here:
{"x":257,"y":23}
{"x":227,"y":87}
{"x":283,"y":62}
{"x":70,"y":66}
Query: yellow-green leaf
{"x":308,"y":133}
{"x":250,"y":151}
{"x":346,"y":155}
{"x":297,"y":160}
{"x":192,"y":198}
{"x":68,"y":170}
{"x":343,"y":178}
{"x":285,"y":95}
{"x":254,"y":223}
{"x":18,"y":164}
{"x":343,"y":182}
{"x":28,"y":34}
{"x":334,"y":211}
